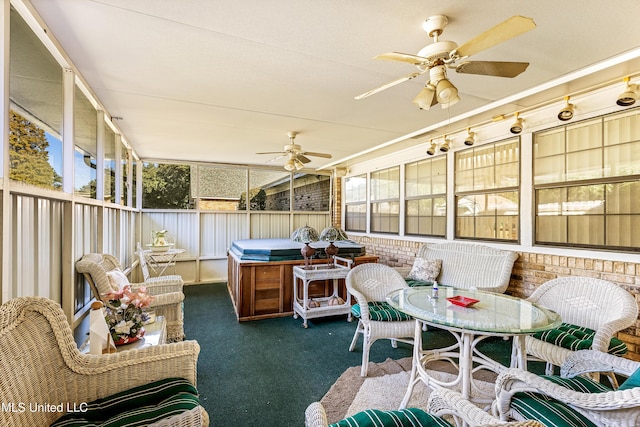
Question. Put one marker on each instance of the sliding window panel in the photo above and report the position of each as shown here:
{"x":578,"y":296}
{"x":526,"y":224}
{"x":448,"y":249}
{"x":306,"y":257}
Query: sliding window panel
{"x":35,"y":109}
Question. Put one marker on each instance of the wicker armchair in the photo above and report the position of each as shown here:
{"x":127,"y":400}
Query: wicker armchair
{"x":609,"y":408}
{"x":442,"y":403}
{"x":40,"y":364}
{"x":168,"y":296}
{"x":599,"y":305}
{"x":371,"y":283}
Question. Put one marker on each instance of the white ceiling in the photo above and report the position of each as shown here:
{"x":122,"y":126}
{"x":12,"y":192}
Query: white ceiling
{"x":218,"y":80}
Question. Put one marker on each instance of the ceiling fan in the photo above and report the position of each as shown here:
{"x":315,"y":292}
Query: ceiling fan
{"x":440,"y":55}
{"x":297,"y":158}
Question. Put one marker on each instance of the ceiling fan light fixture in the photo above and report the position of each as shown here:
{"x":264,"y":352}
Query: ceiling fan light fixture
{"x":450,"y":103}
{"x":446,"y":92}
{"x":629,"y":96}
{"x":567,"y":111}
{"x":426,"y":98}
{"x":290,"y":165}
{"x":298,"y":164}
{"x":470,"y":139}
{"x":516,"y":127}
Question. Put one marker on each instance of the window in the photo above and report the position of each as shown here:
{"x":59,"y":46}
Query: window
{"x":355,"y":196}
{"x":166,"y":186}
{"x":269,"y":190}
{"x":85,"y":155}
{"x":385,"y":200}
{"x":487,"y":180}
{"x":311,"y":192}
{"x":425,"y":194}
{"x":35,"y":109}
{"x":222,"y":188}
{"x":109,"y":165}
{"x":586,"y":183}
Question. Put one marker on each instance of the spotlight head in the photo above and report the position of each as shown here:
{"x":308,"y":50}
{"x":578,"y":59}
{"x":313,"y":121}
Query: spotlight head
{"x":567,"y":111}
{"x":629,"y":96}
{"x":516,"y":127}
{"x":446,"y":145}
{"x":432,"y":149}
{"x":470,"y":139}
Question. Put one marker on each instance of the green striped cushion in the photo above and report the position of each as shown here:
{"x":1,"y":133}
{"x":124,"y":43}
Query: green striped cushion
{"x":414,"y":283}
{"x":139,"y":406}
{"x":552,"y":413}
{"x":576,"y":338}
{"x":410,"y":417}
{"x":381,"y":311}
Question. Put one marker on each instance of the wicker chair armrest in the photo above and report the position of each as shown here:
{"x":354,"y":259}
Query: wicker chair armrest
{"x":587,"y":361}
{"x":606,"y":331}
{"x":315,"y":416}
{"x":106,"y":374}
{"x":160,"y":287}
{"x":362,"y":303}
{"x":167,"y":299}
{"x":448,"y":402}
{"x":516,"y":380}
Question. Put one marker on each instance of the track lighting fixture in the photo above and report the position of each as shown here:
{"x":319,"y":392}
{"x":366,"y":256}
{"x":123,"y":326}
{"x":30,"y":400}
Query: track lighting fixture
{"x":471,"y":138}
{"x":516,"y":127}
{"x":567,"y":111}
{"x":445,"y":145}
{"x":629,"y":96}
{"x":432,"y":149}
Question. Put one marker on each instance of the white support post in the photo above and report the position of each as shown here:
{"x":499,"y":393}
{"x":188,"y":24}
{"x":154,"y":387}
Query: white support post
{"x":5,"y":253}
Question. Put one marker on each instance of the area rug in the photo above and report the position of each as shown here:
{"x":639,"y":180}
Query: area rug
{"x":383,"y":388}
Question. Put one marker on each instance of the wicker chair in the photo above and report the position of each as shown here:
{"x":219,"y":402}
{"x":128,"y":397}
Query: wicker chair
{"x":40,"y":364}
{"x":596,"y":304}
{"x":168,"y":296}
{"x":442,"y":403}
{"x":142,"y":259}
{"x":609,"y":408}
{"x":371,"y":283}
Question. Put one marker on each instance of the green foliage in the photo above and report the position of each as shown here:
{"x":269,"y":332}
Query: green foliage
{"x":28,"y":156}
{"x":166,"y":186}
{"x":258,"y":200}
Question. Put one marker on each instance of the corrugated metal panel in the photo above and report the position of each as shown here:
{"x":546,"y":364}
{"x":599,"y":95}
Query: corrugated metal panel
{"x":183,"y":226}
{"x":35,"y":258}
{"x":219,"y":230}
{"x":317,"y":221}
{"x":270,"y":225}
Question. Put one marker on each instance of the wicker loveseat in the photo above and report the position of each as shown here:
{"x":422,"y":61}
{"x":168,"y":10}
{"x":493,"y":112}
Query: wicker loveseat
{"x":468,"y":265}
{"x":167,"y":294}
{"x":40,"y":364}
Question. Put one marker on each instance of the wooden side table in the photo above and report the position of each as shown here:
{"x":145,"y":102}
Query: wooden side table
{"x":319,"y":272}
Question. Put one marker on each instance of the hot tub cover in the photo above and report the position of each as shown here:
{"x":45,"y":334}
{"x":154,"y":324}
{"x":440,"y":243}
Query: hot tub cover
{"x":287,"y":250}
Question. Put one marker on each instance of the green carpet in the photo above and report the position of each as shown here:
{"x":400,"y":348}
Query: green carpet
{"x":265,"y":373}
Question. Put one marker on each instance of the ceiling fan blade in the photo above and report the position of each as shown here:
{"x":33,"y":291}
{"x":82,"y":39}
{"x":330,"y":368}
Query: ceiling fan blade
{"x":506,"y":30}
{"x":277,"y":158}
{"x":271,"y":152}
{"x":311,"y":153}
{"x":303,"y":158}
{"x":402,"y":57}
{"x":492,"y":68}
{"x":388,"y":85}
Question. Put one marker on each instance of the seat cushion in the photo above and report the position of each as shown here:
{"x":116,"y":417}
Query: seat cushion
{"x":381,"y":311}
{"x":576,"y":338}
{"x":551,"y":412}
{"x":410,"y":417}
{"x":139,"y":406}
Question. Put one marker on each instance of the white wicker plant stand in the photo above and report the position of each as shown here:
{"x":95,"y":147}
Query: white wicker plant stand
{"x":319,"y":272}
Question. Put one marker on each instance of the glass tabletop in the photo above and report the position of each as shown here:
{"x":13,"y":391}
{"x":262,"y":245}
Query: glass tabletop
{"x":493,"y":313}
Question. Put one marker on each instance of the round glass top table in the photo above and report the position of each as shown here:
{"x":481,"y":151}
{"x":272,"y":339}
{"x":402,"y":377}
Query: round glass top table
{"x":492,"y":315}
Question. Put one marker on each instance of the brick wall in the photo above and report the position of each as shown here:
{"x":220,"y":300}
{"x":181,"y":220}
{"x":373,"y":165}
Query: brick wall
{"x":530,"y":271}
